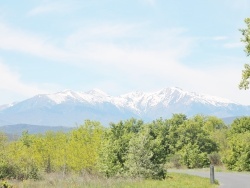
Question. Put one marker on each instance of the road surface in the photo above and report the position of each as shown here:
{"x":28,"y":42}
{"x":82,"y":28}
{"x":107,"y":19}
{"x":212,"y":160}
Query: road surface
{"x":226,"y":179}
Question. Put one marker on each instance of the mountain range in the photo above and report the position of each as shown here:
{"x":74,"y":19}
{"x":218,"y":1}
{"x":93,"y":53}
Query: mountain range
{"x":69,"y":108}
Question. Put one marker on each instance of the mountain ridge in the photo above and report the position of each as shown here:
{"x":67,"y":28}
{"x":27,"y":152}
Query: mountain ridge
{"x":68,"y":108}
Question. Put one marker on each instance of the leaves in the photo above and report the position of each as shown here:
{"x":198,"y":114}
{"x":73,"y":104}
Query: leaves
{"x":238,"y":154}
{"x":129,"y":148}
{"x":244,"y":84}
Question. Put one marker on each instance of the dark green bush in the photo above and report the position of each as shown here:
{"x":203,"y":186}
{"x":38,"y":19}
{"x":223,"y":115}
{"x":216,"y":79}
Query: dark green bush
{"x":7,"y":171}
{"x":13,"y":171}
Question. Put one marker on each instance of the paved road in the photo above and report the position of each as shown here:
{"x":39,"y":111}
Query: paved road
{"x":226,"y":179}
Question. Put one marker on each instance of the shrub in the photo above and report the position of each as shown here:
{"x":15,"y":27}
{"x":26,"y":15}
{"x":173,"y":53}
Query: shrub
{"x":174,"y":161}
{"x":214,"y":158}
{"x":5,"y":184}
{"x":13,"y":171}
{"x":7,"y":171}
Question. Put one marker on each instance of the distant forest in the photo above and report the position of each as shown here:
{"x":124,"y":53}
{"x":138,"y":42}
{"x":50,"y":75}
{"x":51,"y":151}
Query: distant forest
{"x":129,"y":148}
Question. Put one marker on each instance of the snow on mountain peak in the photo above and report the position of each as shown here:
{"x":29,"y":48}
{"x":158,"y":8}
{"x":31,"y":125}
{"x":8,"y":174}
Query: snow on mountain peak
{"x":68,"y":107}
{"x":2,"y":107}
{"x":92,"y":96}
{"x":137,"y":101}
{"x":214,"y":100}
{"x":63,"y":96}
{"x":142,"y":101}
{"x":179,"y":94}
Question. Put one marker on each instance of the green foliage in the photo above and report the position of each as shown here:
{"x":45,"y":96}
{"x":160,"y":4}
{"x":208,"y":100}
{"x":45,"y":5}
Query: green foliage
{"x":139,"y":154}
{"x":173,"y":136}
{"x":3,"y":139}
{"x":193,"y":157}
{"x":244,"y":84}
{"x":74,"y":151}
{"x":115,"y":146}
{"x":159,"y":130}
{"x":238,"y":154}
{"x":16,"y":171}
{"x":130,"y":148}
{"x":213,"y":124}
{"x":83,"y":147}
{"x":7,"y":171}
{"x":5,"y":184}
{"x":193,"y":142}
{"x":240,"y":125}
{"x":142,"y":159}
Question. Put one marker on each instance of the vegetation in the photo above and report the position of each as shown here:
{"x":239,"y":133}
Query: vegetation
{"x":173,"y":180}
{"x":244,"y":84}
{"x":129,"y":151}
{"x":238,"y":153}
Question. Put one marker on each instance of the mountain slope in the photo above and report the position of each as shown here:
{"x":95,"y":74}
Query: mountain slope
{"x":18,"y":129}
{"x":69,"y":108}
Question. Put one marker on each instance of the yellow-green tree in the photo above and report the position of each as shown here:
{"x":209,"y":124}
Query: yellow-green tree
{"x":244,"y":84}
{"x":83,"y":146}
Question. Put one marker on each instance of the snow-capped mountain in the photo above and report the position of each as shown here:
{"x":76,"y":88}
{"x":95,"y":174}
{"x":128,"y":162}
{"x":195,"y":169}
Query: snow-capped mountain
{"x":68,"y":108}
{"x":2,"y":107}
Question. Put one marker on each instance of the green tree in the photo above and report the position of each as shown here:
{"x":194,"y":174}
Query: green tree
{"x":194,"y":142}
{"x":139,"y":155}
{"x":173,"y":136}
{"x":148,"y":150}
{"x":240,"y":125}
{"x":212,"y":124}
{"x":115,"y":146}
{"x":244,"y":84}
{"x":237,"y":156}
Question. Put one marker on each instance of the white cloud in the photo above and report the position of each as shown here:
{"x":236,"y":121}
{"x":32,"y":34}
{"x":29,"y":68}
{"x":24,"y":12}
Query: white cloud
{"x":153,"y":52}
{"x":221,"y":79}
{"x":25,"y":42}
{"x":50,"y":7}
{"x":152,"y":61}
{"x":106,"y":45}
{"x":11,"y":83}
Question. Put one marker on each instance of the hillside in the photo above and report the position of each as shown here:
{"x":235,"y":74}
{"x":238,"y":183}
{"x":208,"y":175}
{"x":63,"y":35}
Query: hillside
{"x":69,"y":108}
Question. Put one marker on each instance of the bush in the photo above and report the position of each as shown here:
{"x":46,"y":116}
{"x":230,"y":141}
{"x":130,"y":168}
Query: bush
{"x":7,"y":171}
{"x":214,"y":158}
{"x":13,"y":171}
{"x":192,"y":157}
{"x":5,"y":184}
{"x":139,"y":161}
{"x":174,"y":161}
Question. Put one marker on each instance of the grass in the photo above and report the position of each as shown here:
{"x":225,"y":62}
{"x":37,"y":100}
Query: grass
{"x":173,"y":180}
{"x":176,"y":180}
{"x":216,"y":169}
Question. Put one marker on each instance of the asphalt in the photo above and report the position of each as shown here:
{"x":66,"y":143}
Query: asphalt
{"x":226,"y":179}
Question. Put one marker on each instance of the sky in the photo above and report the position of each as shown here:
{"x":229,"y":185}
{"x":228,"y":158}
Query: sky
{"x":119,"y":46}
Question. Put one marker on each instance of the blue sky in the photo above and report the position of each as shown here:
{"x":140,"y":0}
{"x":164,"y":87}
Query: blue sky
{"x":121,"y":46}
